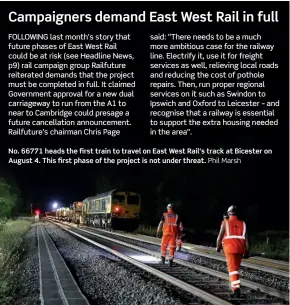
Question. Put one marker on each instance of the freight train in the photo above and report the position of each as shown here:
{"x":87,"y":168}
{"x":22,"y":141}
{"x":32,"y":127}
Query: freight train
{"x":116,"y":209}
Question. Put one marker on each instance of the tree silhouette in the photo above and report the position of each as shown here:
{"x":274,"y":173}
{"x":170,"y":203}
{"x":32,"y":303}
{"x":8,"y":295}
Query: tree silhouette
{"x":8,"y":198}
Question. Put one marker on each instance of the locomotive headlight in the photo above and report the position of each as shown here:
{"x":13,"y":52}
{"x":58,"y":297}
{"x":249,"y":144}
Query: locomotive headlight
{"x":116,"y":209}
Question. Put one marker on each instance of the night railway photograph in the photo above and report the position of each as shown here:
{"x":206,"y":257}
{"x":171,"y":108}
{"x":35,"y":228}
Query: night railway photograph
{"x":145,"y":234}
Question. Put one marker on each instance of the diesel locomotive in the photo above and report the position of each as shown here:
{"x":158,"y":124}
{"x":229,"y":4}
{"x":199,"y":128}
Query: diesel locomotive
{"x":117,"y":209}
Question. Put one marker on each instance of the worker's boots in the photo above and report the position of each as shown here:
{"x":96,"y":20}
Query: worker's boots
{"x":163,"y":260}
{"x":236,"y":294}
{"x":170,"y":263}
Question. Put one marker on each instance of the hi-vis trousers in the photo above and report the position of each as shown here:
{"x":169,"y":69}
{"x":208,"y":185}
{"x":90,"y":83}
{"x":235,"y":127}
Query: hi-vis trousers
{"x":233,"y":262}
{"x":170,"y":241}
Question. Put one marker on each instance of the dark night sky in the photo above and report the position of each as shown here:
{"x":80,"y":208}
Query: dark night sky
{"x":261,"y":180}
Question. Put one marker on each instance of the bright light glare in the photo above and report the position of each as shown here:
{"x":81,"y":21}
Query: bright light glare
{"x":55,"y":205}
{"x":146,"y":258}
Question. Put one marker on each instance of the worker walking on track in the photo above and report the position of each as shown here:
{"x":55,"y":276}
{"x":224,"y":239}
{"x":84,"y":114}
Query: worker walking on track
{"x":169,"y":223}
{"x":179,"y":238}
{"x":233,"y":236}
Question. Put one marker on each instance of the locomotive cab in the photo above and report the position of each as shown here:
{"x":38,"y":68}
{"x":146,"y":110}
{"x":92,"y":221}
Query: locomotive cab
{"x":125,"y":205}
{"x":125,"y":210}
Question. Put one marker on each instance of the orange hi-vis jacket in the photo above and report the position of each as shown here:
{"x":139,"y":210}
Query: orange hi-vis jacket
{"x":234,"y":240}
{"x":170,"y":223}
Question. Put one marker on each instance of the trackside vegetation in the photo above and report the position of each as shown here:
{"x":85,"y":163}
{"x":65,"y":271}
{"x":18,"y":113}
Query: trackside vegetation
{"x":12,"y":231}
{"x":11,"y":250}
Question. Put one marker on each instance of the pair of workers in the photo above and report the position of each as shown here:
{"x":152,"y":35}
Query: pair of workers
{"x":233,"y":238}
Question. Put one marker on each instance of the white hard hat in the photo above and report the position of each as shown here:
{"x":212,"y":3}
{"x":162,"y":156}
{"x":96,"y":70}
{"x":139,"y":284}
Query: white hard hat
{"x":169,"y":206}
{"x":232,"y":209}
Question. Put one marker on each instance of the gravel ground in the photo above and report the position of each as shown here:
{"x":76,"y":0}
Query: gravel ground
{"x":104,"y":278}
{"x":264,"y":278}
{"x":26,"y":291}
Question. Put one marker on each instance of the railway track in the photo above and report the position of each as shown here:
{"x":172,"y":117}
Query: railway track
{"x":279,"y":268}
{"x":279,"y":282}
{"x":259,"y":263}
{"x":276,"y":267}
{"x":199,"y":284}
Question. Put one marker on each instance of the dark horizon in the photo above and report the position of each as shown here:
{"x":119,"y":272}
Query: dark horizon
{"x":215,"y":187}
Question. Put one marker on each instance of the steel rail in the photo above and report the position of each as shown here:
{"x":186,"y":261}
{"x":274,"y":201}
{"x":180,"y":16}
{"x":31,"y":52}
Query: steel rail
{"x":247,"y":283}
{"x":260,"y":258}
{"x":174,"y":281}
{"x":211,"y":256}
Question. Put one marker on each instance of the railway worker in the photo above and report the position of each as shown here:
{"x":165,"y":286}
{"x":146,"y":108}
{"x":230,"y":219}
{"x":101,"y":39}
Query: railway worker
{"x":179,"y":238}
{"x":233,"y":235}
{"x":170,"y":224}
{"x":179,"y":242}
{"x":226,"y":216}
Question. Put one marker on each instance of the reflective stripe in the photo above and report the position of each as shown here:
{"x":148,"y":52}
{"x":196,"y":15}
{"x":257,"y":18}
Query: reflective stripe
{"x":228,"y":236}
{"x":234,"y":236}
{"x":233,"y":283}
{"x":166,"y":220}
{"x":234,"y":272}
{"x":244,"y":231}
{"x":236,"y":286}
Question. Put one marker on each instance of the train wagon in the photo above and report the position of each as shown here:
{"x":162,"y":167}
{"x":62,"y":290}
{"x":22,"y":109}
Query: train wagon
{"x":63,"y":214}
{"x":58,"y":214}
{"x":77,"y":211}
{"x":117,"y":209}
{"x":69,"y":214}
